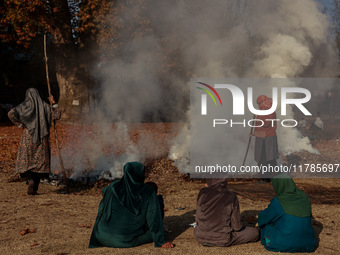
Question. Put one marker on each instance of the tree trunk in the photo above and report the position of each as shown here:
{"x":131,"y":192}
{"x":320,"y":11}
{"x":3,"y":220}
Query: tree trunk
{"x":72,"y":87}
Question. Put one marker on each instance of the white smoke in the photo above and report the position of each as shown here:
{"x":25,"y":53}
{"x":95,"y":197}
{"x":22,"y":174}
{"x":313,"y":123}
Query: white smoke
{"x":147,"y":78}
{"x":272,"y":39}
{"x":283,"y":56}
{"x":101,"y":152}
{"x":289,"y":49}
{"x":179,"y":151}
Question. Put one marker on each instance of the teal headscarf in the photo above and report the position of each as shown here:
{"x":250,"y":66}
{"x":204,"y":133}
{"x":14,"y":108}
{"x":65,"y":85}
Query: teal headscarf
{"x":127,"y":190}
{"x":293,"y":200}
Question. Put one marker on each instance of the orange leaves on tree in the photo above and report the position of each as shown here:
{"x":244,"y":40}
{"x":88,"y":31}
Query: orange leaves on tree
{"x":21,"y":20}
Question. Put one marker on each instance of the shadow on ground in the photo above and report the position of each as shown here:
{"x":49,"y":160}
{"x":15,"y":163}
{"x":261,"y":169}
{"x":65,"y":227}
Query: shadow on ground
{"x":249,"y":217}
{"x":318,"y":227}
{"x":179,"y":224}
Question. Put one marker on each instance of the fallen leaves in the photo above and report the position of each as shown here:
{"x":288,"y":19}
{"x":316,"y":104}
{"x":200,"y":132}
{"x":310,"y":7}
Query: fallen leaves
{"x":27,"y":230}
{"x":47,"y":203}
{"x":14,"y":177}
{"x":34,"y":244}
{"x":9,"y":142}
{"x":84,"y":226}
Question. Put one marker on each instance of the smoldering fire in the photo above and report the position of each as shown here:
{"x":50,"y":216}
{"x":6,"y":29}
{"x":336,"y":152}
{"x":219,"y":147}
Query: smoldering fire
{"x":255,"y":122}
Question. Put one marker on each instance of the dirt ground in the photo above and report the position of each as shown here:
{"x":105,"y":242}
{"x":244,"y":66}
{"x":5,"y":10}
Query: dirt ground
{"x":62,"y":223}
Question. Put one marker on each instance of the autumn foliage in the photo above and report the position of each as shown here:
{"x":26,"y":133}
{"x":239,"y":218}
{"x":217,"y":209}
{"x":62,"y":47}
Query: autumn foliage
{"x":20,"y":21}
{"x":91,"y":14}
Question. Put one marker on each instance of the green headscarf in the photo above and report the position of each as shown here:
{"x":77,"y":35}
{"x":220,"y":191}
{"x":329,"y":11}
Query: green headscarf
{"x":293,"y":200}
{"x":127,"y":190}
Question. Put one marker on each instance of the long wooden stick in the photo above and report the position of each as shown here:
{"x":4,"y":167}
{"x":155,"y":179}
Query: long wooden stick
{"x":54,"y":121}
{"x":251,"y":131}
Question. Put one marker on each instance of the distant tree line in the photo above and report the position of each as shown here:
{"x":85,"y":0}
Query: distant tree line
{"x":76,"y":30}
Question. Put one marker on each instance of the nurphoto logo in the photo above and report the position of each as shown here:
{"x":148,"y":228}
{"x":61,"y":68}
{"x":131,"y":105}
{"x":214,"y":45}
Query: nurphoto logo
{"x":238,"y":99}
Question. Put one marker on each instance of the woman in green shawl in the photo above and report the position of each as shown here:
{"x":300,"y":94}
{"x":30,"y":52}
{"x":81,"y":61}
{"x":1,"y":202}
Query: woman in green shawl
{"x":129,"y":214}
{"x":286,"y":223}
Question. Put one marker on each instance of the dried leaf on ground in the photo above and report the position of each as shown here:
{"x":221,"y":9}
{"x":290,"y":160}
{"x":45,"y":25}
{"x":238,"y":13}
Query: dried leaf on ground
{"x":27,"y":230}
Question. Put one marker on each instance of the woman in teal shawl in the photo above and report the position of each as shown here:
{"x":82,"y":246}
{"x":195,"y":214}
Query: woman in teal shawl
{"x":286,"y":223}
{"x":129,"y":213}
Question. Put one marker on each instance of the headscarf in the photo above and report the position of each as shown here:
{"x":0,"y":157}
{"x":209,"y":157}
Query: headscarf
{"x":210,"y":196}
{"x":217,"y":182}
{"x":261,"y":99}
{"x":127,"y":190}
{"x":293,"y":200}
{"x":35,"y":115}
{"x":264,"y":102}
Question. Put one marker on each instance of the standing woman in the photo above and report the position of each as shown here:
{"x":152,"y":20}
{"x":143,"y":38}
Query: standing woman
{"x":266,"y":147}
{"x":33,"y":159}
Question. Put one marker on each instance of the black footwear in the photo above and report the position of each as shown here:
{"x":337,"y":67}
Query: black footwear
{"x":30,"y":188}
{"x":36,"y":183}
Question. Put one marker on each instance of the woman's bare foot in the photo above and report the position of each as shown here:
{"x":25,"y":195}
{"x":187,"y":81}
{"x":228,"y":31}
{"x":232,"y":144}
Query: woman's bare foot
{"x":167,"y":245}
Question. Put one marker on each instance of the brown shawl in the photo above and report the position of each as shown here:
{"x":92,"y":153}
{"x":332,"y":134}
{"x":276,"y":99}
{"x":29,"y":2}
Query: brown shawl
{"x":217,"y":213}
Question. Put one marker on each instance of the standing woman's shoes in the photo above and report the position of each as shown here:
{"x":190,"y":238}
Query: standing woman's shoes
{"x":31,"y":187}
{"x":36,"y":180}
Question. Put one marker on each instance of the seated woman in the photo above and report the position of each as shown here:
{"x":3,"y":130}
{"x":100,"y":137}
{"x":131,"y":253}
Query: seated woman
{"x":160,"y":198}
{"x":286,"y":223}
{"x":218,"y":217}
{"x":129,"y":213}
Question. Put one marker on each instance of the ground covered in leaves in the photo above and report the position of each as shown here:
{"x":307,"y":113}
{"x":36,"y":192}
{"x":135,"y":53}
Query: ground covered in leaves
{"x":57,"y":223}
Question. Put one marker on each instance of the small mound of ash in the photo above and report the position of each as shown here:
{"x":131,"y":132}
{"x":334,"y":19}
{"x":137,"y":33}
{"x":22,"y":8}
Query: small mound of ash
{"x":292,"y":159}
{"x":81,"y":183}
{"x":163,"y":170}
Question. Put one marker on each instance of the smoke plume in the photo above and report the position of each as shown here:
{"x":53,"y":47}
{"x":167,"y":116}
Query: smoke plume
{"x":148,"y":77}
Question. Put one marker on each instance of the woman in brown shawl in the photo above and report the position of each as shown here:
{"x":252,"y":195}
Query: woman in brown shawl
{"x":33,"y":159}
{"x":218,"y":217}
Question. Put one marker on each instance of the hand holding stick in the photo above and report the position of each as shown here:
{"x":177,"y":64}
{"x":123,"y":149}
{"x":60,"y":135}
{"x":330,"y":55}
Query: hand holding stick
{"x":51,"y":99}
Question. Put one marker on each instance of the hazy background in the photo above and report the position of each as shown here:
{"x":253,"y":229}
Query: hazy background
{"x":148,"y":79}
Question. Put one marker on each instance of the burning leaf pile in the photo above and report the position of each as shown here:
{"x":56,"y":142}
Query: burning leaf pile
{"x":151,"y":140}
